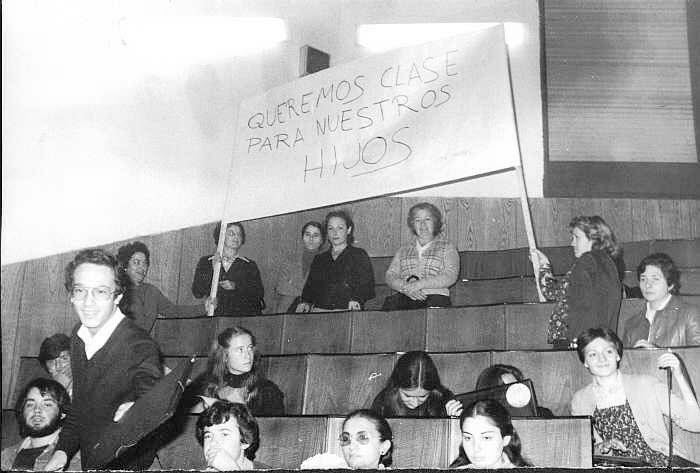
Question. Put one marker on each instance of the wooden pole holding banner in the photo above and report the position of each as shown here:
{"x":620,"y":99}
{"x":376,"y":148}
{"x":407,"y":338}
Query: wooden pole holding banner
{"x":217,"y":267}
{"x":528,"y":227}
{"x":520,"y":177}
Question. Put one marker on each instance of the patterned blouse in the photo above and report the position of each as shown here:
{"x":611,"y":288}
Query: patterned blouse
{"x":618,"y":422}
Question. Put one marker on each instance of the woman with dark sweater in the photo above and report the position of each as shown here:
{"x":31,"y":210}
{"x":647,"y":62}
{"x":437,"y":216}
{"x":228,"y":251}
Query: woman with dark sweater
{"x":240,"y":291}
{"x":590,"y":293}
{"x":232,"y":375}
{"x":415,"y":390}
{"x":342,"y":277}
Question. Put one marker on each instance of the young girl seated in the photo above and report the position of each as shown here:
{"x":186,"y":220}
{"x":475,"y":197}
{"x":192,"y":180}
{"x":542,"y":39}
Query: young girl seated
{"x":233,"y":375}
{"x":488,"y":438}
{"x":415,"y":390}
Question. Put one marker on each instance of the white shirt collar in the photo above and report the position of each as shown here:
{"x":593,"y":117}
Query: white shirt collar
{"x":93,"y":343}
{"x":651,"y":312}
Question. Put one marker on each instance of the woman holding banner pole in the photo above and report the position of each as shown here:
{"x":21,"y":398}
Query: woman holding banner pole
{"x":342,"y":277}
{"x":240,"y":288}
{"x":590,"y":294}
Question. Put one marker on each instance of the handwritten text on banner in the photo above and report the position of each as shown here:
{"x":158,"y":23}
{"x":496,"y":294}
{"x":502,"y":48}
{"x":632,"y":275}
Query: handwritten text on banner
{"x":405,"y":119}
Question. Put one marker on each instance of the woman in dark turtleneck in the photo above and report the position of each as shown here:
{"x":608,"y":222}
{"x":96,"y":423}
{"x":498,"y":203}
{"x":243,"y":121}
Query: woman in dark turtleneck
{"x":232,"y":375}
{"x":293,"y":276}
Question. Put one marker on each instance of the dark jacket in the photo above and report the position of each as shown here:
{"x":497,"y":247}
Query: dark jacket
{"x":245,"y":299}
{"x":676,"y":325}
{"x":268,"y":399}
{"x":332,"y":284}
{"x":122,"y":370}
{"x":588,"y":296}
{"x":145,"y":302}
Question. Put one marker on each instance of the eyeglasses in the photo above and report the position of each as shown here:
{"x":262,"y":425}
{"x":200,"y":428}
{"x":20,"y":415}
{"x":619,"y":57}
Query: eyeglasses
{"x":99,"y":293}
{"x":362,"y":438}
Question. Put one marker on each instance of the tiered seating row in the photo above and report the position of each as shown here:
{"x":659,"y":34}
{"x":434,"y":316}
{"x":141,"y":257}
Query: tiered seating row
{"x":418,"y":443}
{"x":522,"y":289}
{"x":496,"y":327}
{"x":515,"y":262}
{"x":337,"y":384}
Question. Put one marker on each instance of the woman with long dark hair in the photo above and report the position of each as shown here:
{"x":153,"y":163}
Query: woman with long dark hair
{"x":414,"y":390}
{"x":292,"y":276}
{"x":489,"y":439}
{"x":233,"y":375}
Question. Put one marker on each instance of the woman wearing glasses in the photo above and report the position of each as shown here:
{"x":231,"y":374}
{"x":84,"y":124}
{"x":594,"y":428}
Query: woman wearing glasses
{"x":142,"y":301}
{"x":240,"y":292}
{"x":366,"y":441}
{"x":233,"y":375}
{"x":414,"y":390}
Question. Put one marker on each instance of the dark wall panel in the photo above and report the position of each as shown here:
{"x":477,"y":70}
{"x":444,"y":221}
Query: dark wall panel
{"x":380,"y":332}
{"x":465,"y":328}
{"x":340,"y":383}
{"x":11,"y":286}
{"x":328,"y":332}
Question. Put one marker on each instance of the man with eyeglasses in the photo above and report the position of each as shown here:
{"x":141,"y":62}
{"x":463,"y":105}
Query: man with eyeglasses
{"x":113,"y":362}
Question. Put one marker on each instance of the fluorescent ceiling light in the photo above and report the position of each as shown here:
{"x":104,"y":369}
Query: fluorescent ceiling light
{"x":382,"y":37}
{"x":200,"y":38}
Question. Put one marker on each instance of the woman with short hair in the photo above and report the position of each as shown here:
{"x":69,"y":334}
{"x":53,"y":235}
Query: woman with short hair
{"x":240,"y":292}
{"x":628,"y":410}
{"x":423,"y":270}
{"x":229,"y":436}
{"x":666,"y":320}
{"x":590,"y":293}
{"x":143,"y":302}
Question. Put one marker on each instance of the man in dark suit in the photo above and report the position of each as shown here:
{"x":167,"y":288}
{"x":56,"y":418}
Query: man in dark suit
{"x":113,"y":362}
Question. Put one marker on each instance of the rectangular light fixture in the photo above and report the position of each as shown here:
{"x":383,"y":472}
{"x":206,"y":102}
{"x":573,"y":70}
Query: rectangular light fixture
{"x":383,"y":37}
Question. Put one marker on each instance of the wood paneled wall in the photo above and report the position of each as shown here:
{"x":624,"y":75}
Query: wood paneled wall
{"x":35,"y":303}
